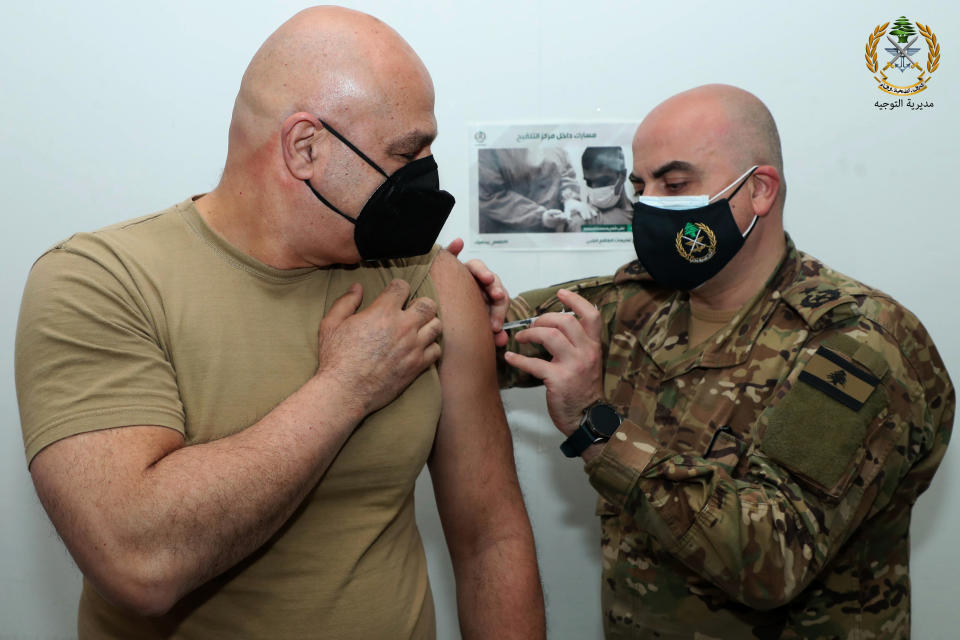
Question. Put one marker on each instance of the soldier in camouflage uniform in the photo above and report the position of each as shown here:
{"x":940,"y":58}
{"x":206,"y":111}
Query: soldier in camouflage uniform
{"x":761,"y":482}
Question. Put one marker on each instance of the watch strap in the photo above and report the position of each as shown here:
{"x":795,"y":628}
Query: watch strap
{"x":590,"y":432}
{"x":577,"y":443}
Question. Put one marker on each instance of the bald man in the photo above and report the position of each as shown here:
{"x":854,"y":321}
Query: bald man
{"x":226,"y":404}
{"x":757,"y":425}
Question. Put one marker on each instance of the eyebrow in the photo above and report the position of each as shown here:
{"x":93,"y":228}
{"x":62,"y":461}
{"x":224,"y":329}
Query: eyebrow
{"x":411,"y":141}
{"x":675,"y":165}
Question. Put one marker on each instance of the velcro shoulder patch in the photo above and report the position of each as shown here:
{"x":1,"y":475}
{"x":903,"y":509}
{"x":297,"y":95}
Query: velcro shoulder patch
{"x":812,"y":299}
{"x":841,"y":379}
{"x":632,"y":271}
{"x":818,"y":430}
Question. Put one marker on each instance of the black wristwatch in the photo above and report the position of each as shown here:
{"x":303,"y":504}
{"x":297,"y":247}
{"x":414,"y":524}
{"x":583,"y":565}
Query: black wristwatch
{"x":599,"y":422}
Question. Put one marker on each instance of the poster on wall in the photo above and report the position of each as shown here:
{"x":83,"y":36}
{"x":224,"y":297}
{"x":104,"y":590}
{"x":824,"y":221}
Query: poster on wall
{"x":550,"y":186}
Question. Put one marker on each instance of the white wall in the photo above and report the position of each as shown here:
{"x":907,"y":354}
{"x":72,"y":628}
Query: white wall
{"x":113,"y":109}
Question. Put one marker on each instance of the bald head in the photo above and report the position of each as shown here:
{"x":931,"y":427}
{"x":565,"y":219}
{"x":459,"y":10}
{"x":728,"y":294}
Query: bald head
{"x":344,"y":65}
{"x":700,"y":142}
{"x":326,"y":69}
{"x":717,"y":125}
{"x":729,"y":118}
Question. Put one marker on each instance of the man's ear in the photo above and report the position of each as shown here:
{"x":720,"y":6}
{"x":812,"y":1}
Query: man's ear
{"x":296,"y":139}
{"x":764,"y":189}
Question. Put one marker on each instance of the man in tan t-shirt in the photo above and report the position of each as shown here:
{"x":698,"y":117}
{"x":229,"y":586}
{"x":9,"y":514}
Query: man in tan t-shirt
{"x":226,"y":404}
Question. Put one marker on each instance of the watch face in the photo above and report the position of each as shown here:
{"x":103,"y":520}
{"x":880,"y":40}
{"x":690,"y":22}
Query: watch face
{"x":604,"y":419}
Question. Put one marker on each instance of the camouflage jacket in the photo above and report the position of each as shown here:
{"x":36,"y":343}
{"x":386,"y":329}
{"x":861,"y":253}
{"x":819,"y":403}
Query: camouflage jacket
{"x":762,"y":482}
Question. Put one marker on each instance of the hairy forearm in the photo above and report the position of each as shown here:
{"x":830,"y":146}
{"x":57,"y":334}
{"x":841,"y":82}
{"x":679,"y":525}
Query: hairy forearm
{"x":198,"y":510}
{"x":498,"y":589}
{"x":249,"y":484}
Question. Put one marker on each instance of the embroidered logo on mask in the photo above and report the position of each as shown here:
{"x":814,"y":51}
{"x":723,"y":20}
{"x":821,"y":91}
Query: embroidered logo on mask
{"x":696,"y":242}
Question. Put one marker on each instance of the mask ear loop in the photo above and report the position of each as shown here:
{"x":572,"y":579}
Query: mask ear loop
{"x":354,"y":149}
{"x":750,"y":228}
{"x":362,"y":155}
{"x":329,"y":204}
{"x":743,"y":176}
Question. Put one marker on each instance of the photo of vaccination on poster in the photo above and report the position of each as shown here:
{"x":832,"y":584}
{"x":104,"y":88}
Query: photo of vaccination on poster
{"x":551,"y":186}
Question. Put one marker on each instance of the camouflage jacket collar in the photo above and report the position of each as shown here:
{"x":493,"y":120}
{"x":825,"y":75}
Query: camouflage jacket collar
{"x":661,"y":317}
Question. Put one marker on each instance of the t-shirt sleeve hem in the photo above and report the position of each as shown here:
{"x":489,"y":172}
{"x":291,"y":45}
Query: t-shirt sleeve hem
{"x":99,"y":419}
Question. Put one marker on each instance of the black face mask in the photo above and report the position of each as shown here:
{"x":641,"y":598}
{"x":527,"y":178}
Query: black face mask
{"x":404,"y":215}
{"x":683,"y":248}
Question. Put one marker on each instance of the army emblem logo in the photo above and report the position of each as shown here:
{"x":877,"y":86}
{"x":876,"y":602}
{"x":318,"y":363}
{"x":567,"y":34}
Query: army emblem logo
{"x":696,"y":242}
{"x":896,"y":58}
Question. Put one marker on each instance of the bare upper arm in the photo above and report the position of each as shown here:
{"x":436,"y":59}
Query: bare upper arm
{"x":472,"y":463}
{"x":467,"y":367}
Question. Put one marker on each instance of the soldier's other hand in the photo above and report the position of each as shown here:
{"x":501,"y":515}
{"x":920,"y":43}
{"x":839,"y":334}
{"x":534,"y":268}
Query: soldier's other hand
{"x":495,"y":295}
{"x":573,"y":376}
{"x":374,"y":354}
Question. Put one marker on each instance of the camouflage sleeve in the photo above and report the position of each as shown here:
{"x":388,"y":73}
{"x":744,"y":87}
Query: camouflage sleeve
{"x":601,"y":291}
{"x":762,"y":524}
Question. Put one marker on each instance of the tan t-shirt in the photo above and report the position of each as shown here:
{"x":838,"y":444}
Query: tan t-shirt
{"x":705,"y":322}
{"x":159,"y":321}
